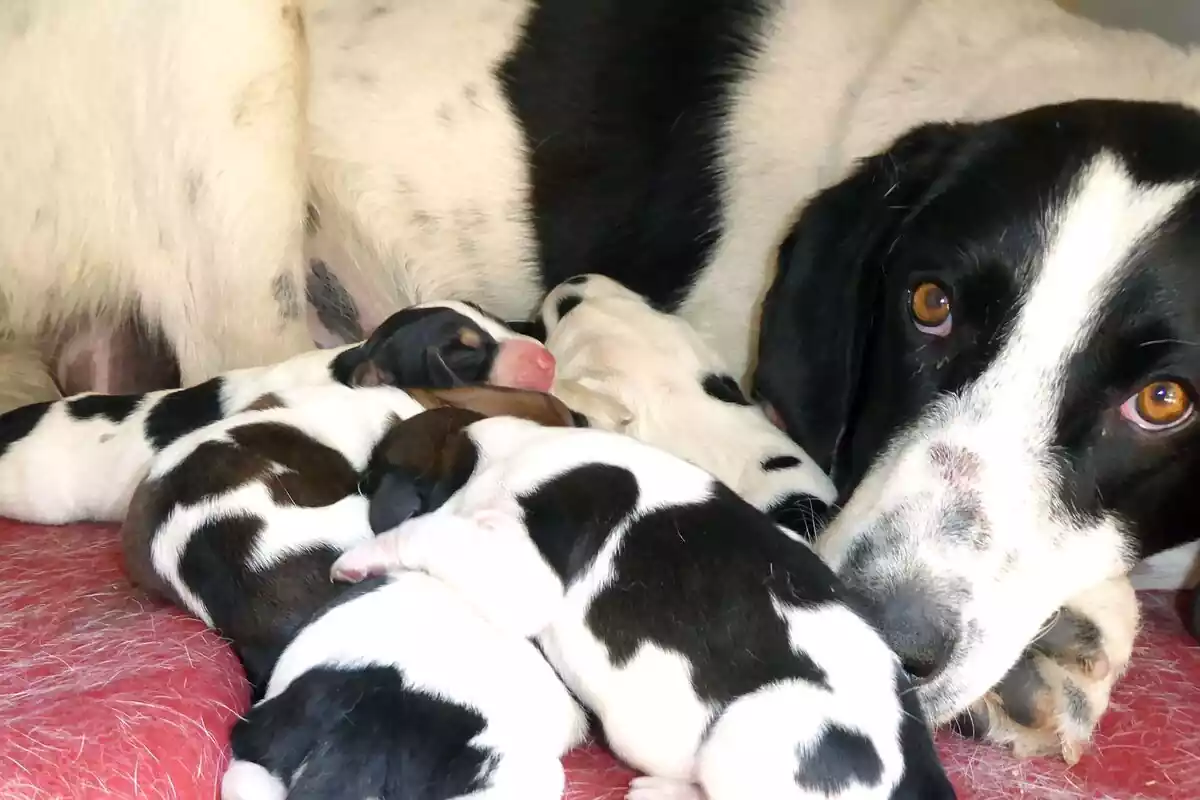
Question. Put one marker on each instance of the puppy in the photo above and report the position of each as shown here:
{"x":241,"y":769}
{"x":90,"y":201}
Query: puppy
{"x":441,"y":705}
{"x":632,"y":369}
{"x":111,"y":439}
{"x":239,"y":522}
{"x":715,"y":651}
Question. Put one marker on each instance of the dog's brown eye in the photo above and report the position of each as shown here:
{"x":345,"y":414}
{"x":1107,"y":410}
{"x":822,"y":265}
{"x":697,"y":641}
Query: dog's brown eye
{"x":929,"y":305}
{"x":1159,"y":406}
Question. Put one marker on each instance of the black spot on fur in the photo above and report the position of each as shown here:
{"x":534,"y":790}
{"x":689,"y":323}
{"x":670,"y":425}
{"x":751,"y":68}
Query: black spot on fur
{"x":566,"y":305}
{"x":802,"y":513}
{"x":335,"y":307}
{"x":15,"y":425}
{"x":1021,"y":692}
{"x":841,"y":758}
{"x":287,"y":298}
{"x":181,"y":412}
{"x":576,"y":280}
{"x":312,"y":219}
{"x":116,"y":408}
{"x":725,"y":389}
{"x":651,"y":80}
{"x":365,"y":733}
{"x":780,"y":463}
{"x":1078,"y":707}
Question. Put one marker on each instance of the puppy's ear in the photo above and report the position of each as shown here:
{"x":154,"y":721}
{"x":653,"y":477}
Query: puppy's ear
{"x":396,"y":498}
{"x":817,"y":316}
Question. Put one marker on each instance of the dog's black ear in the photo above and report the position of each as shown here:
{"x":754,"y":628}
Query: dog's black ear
{"x":396,"y":498}
{"x":818,"y":313}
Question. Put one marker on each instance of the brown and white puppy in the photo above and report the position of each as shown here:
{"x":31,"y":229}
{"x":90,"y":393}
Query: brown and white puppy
{"x":97,"y":447}
{"x":239,"y":522}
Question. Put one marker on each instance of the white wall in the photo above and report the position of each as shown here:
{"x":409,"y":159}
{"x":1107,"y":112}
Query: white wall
{"x":1178,"y":20}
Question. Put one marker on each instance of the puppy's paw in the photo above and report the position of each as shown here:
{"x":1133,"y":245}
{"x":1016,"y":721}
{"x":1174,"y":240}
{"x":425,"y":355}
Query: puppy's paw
{"x":648,"y":788}
{"x":378,"y":556}
{"x":1050,"y":701}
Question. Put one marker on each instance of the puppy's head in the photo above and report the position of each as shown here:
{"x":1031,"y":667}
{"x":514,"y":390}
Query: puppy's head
{"x":445,"y":344}
{"x":987,"y":334}
{"x":424,"y":459}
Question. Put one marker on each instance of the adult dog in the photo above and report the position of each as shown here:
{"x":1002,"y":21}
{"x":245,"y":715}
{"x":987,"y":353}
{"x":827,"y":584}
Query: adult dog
{"x":989,"y":305}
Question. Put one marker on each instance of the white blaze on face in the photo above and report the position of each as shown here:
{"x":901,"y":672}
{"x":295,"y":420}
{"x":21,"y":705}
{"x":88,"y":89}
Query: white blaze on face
{"x":965,"y":504}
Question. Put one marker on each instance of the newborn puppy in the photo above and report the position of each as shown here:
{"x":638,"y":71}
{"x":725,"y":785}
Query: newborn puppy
{"x":716,"y":652}
{"x":443,"y":705}
{"x":97,"y":447}
{"x":632,"y":369}
{"x":239,"y":522}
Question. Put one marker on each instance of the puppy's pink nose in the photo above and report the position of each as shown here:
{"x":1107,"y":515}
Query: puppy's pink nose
{"x":523,"y":364}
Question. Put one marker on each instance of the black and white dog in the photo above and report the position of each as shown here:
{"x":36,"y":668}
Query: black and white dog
{"x":715,"y":651}
{"x":81,"y":458}
{"x":987,"y":324}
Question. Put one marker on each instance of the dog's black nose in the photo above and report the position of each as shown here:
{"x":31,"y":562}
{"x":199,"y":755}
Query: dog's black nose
{"x":920,"y":630}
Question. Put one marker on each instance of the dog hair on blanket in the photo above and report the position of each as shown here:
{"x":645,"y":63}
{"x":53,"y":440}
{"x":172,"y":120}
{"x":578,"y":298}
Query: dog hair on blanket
{"x":714,"y":649}
{"x":645,"y":373}
{"x":401,"y":690}
{"x":97,"y":447}
{"x":239,"y":522}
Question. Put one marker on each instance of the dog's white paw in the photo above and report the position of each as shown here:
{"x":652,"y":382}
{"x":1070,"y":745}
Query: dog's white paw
{"x":650,"y":788}
{"x":1050,"y":702}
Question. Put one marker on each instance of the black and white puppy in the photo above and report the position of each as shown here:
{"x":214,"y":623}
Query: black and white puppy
{"x":238,"y":522}
{"x":716,"y":651}
{"x":636,"y":370}
{"x":401,"y":690}
{"x":81,"y":458}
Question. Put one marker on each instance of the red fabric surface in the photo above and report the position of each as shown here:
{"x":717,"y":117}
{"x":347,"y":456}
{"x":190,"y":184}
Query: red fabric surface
{"x":105,"y":695}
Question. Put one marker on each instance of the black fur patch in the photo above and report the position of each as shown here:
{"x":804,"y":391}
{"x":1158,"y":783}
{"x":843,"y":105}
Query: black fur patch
{"x":649,"y":80}
{"x":567,"y":304}
{"x":780,"y":463}
{"x":365,"y":733}
{"x":841,"y":758}
{"x":15,"y":425}
{"x":802,"y":513}
{"x":116,"y":408}
{"x":181,"y":412}
{"x":725,"y":389}
{"x":335,"y":307}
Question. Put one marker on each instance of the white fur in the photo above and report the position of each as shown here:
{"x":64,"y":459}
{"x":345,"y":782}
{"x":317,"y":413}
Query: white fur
{"x":632,"y":369}
{"x":112,"y":108}
{"x":40,"y":483}
{"x":652,"y":717}
{"x":350,"y":421}
{"x":443,"y":648}
{"x":1006,"y":419}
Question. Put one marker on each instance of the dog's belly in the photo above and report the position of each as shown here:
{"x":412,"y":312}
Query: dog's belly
{"x":418,"y":171}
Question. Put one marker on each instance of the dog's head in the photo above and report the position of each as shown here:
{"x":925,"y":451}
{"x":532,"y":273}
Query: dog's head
{"x":990,"y":335}
{"x":445,"y":344}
